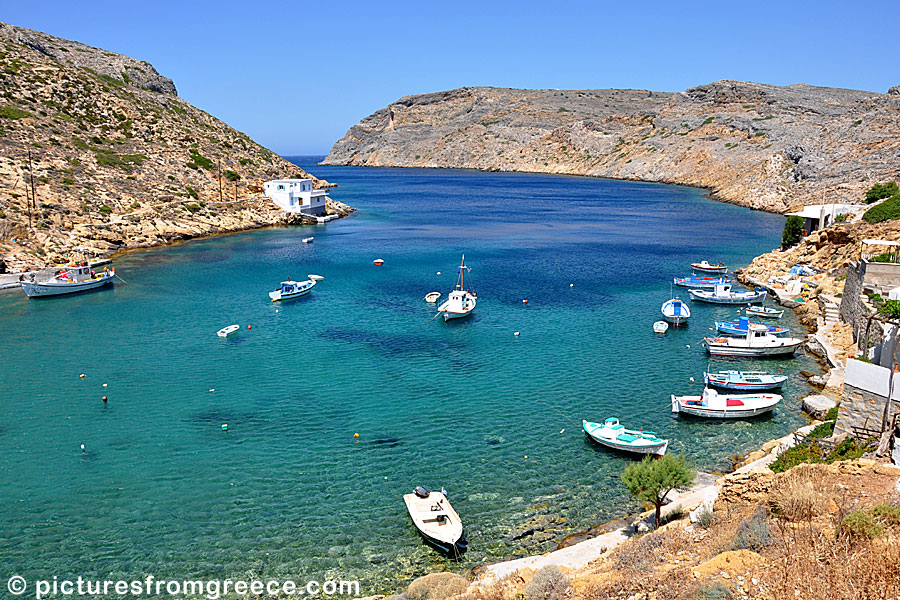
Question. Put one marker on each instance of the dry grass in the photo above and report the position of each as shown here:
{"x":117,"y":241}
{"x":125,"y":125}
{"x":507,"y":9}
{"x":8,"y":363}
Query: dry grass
{"x":800,"y":494}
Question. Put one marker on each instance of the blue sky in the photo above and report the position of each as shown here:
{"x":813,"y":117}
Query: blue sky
{"x":296,"y":75}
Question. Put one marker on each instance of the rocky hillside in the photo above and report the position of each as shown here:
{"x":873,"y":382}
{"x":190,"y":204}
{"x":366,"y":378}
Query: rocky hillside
{"x":118,"y":160}
{"x":762,"y":146}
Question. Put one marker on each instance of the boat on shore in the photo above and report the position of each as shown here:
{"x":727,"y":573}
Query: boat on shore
{"x":613,"y":435}
{"x":292,"y":289}
{"x":764,"y":311}
{"x":707,"y":267}
{"x":699,"y":281}
{"x":757,"y":342}
{"x":723,"y":294}
{"x":675,"y":311}
{"x":436,"y":520}
{"x":460,"y":302}
{"x":226,"y":331}
{"x":744,"y":380}
{"x":713,"y":405}
{"x":70,"y":279}
{"x":660,"y":327}
{"x":741,"y":326}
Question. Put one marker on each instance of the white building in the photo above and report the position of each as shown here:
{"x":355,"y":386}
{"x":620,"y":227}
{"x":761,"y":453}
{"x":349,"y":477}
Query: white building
{"x":820,"y":216}
{"x":296,"y":196}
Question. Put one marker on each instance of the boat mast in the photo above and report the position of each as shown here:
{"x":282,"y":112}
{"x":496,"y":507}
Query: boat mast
{"x":462,"y":274}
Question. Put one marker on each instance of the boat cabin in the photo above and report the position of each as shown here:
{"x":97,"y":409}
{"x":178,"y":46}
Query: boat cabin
{"x":292,"y":287}
{"x":76,"y":273}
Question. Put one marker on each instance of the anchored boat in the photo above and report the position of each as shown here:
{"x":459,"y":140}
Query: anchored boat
{"x":432,"y":297}
{"x":757,"y":342}
{"x":292,"y":289}
{"x":723,"y":294}
{"x":699,"y":281}
{"x":614,"y":435}
{"x":714,"y":405}
{"x":68,"y":280}
{"x":226,"y":331}
{"x":675,"y":311}
{"x":707,"y":267}
{"x":660,"y":327}
{"x":741,"y":326}
{"x":436,"y":520}
{"x":744,"y":380}
{"x":764,"y":311}
{"x":460,"y":302}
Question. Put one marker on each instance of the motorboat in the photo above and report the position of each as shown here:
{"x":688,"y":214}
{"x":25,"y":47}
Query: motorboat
{"x":723,"y":294}
{"x":711,"y":404}
{"x":612,"y":434}
{"x":308,"y":240}
{"x":460,"y":302}
{"x":70,"y":279}
{"x":226,"y":331}
{"x":741,"y":326}
{"x":708,"y":267}
{"x":675,"y":311}
{"x":744,"y":380}
{"x":292,"y":289}
{"x":436,"y":520}
{"x":660,"y":327}
{"x":764,"y":311}
{"x":315,"y":277}
{"x":700,"y":281}
{"x":757,"y":342}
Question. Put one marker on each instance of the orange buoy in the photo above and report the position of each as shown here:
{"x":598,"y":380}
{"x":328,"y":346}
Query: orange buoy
{"x":525,"y":301}
{"x":103,"y":398}
{"x":248,"y":327}
{"x":356,"y":436}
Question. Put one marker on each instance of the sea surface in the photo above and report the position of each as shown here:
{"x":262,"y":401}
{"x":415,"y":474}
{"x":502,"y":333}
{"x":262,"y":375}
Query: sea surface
{"x":287,"y":491}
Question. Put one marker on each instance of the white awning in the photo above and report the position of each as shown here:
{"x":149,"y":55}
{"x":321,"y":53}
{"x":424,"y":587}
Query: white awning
{"x":881,"y":242}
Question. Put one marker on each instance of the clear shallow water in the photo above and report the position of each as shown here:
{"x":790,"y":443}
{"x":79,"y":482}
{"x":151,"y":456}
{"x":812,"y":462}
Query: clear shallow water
{"x":287,"y":492}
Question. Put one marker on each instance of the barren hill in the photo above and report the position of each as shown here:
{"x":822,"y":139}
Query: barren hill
{"x":118,"y":160}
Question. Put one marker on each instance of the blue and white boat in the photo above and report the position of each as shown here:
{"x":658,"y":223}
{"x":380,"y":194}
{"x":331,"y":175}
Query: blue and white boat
{"x":675,"y":311}
{"x":292,"y":289}
{"x":741,"y":326}
{"x":700,"y":281}
{"x":764,"y":311}
{"x":723,"y":294}
{"x":614,"y":435}
{"x":70,"y":279}
{"x":744,"y":380}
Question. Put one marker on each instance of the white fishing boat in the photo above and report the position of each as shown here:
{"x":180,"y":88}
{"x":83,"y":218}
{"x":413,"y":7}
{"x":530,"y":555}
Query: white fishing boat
{"x":226,"y":331}
{"x":708,"y":267}
{"x":744,"y":380}
{"x":675,"y":311}
{"x":460,"y":302}
{"x":315,"y":277}
{"x":436,"y":520}
{"x":660,"y":327}
{"x":432,"y":297}
{"x":764,"y":311}
{"x":723,"y":294}
{"x":714,"y":405}
{"x":69,"y":279}
{"x":612,"y":434}
{"x":307,"y":240}
{"x":292,"y":289}
{"x":757,"y":342}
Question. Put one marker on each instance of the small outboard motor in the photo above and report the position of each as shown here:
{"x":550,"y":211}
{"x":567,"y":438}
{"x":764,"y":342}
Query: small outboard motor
{"x":421,"y":492}
{"x":444,"y":492}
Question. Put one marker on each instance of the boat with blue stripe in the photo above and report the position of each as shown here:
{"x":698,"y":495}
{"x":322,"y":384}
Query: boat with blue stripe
{"x":742,"y":325}
{"x":744,"y":380}
{"x":723,"y":294}
{"x":700,"y":281}
{"x":612,"y":434}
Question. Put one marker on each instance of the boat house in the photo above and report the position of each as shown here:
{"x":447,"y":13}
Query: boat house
{"x":296,"y":196}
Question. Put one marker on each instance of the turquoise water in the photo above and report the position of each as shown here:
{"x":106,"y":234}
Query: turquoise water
{"x":287,"y":491}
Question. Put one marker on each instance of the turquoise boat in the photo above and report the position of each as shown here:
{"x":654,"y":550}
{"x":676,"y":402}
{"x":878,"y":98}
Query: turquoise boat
{"x":614,"y":435}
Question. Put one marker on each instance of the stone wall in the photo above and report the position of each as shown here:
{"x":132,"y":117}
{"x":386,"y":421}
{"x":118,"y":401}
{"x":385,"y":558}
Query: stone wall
{"x":854,"y":309}
{"x":862,"y":408}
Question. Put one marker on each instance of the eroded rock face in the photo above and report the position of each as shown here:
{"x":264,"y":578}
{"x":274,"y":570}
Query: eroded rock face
{"x":762,"y":146}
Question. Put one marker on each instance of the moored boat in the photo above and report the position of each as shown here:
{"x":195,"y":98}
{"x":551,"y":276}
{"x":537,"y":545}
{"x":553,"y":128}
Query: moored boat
{"x":612,"y":434}
{"x":436,"y":520}
{"x":741,"y":326}
{"x":675,"y":311}
{"x":308,"y":240}
{"x":699,"y":281}
{"x":226,"y":331}
{"x":723,"y":294}
{"x":660,"y":327}
{"x":757,"y":342}
{"x":292,"y":289}
{"x":714,"y":405}
{"x":70,"y":279}
{"x":432,"y":297}
{"x":707,"y":267}
{"x":460,"y":302}
{"x":764,"y":311}
{"x":744,"y":380}
{"x":315,"y":277}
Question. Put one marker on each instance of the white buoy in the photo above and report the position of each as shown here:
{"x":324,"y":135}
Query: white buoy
{"x":212,"y":389}
{"x":516,"y":333}
{"x":692,"y":380}
{"x":688,"y":345}
{"x":82,"y":448}
{"x":438,"y":272}
{"x":571,"y":285}
{"x":563,"y":430}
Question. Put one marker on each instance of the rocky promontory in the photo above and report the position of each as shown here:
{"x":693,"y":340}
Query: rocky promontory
{"x":99,"y":154}
{"x":762,"y":146}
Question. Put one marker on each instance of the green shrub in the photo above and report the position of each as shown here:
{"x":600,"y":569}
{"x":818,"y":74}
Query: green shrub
{"x":889,"y":514}
{"x":861,"y":524}
{"x":884,"y":257}
{"x":105,"y":210}
{"x":886,"y":211}
{"x":231,"y":175}
{"x":192,"y":208}
{"x":793,"y":231}
{"x":11,"y":112}
{"x":824,"y":430}
{"x":890,"y":309}
{"x":706,"y":518}
{"x":753,"y":532}
{"x":200,"y":161}
{"x":879,"y":191}
{"x":841,"y":218}
{"x":713,"y":591}
{"x":549,"y":583}
{"x":832,"y":413}
{"x":192,"y":192}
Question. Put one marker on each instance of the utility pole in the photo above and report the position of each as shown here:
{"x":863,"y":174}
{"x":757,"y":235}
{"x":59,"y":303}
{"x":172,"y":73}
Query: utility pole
{"x":235,"y":191}
{"x":32,"y":204}
{"x":220,"y":180}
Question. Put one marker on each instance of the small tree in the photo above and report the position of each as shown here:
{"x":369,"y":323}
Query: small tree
{"x":793,"y":231}
{"x":881,"y":190}
{"x":653,"y":478}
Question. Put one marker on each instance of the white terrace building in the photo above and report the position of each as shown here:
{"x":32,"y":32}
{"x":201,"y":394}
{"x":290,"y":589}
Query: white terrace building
{"x":296,"y":196}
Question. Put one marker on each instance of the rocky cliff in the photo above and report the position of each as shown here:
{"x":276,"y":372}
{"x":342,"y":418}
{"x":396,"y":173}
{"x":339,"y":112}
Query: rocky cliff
{"x":117,"y":159}
{"x":758,"y":145}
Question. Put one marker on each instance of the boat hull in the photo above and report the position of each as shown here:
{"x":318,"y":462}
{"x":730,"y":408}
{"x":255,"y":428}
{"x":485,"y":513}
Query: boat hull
{"x":706,"y":413}
{"x":769,"y":315}
{"x":692,"y":405}
{"x":730,"y":328}
{"x":54,"y":288}
{"x":712,"y":270}
{"x":647,"y":449}
{"x":699,"y":285}
{"x":741,"y":386}
{"x":743,"y":299}
{"x":452,"y":541}
{"x":720,"y":349}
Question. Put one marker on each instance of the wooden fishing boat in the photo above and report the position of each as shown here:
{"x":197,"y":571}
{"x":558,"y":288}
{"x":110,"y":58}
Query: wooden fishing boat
{"x":699,"y":281}
{"x":226,"y":331}
{"x":292,"y":289}
{"x":707,"y":267}
{"x":744,"y":380}
{"x":614,"y":435}
{"x":432,"y":297}
{"x":723,"y":294}
{"x":460,"y":302}
{"x":764,"y":311}
{"x":70,"y":279}
{"x":675,"y":311}
{"x":741,"y":326}
{"x":436,"y":520}
{"x":660,"y":327}
{"x":757,"y":342}
{"x":714,"y":405}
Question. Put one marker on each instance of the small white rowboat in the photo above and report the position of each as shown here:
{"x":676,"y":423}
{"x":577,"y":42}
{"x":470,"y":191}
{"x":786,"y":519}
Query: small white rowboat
{"x":226,"y":331}
{"x":660,"y":327}
{"x":432,"y":297}
{"x":436,"y":520}
{"x":315,"y":277}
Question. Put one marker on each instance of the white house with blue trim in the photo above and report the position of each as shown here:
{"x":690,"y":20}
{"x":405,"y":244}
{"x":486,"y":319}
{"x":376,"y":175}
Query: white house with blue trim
{"x":296,"y":196}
